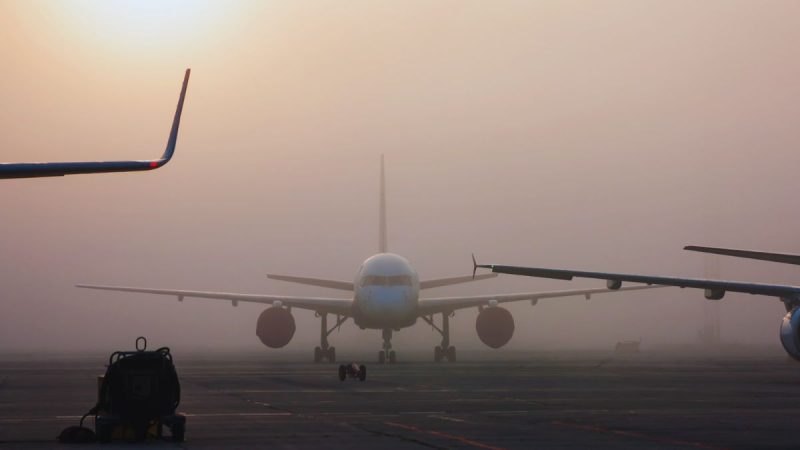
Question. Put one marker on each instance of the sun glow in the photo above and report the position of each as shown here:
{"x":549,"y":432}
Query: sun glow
{"x":145,"y":24}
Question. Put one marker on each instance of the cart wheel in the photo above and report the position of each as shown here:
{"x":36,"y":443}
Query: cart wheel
{"x":103,"y":432}
{"x":178,"y":432}
{"x":342,"y":372}
{"x":362,"y":372}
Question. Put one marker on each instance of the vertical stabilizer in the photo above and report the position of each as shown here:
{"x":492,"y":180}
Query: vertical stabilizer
{"x":383,"y":246}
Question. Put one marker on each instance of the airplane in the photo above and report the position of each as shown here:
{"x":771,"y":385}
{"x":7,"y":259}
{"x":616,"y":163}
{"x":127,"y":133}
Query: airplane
{"x":57,"y":169}
{"x":785,"y":258}
{"x":385,"y":295}
{"x":714,"y":289}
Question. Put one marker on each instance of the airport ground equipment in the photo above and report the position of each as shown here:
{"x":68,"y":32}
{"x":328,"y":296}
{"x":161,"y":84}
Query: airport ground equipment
{"x":138,"y":396}
{"x":352,"y":370}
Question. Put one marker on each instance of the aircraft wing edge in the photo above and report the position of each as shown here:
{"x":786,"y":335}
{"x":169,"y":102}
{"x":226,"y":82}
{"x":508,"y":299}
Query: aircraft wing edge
{"x":57,"y":169}
{"x":324,"y":304}
{"x":447,"y":304}
{"x":785,"y":258}
{"x":715,"y":289}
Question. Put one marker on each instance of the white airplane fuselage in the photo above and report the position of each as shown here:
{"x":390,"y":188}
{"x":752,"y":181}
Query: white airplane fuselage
{"x":386,"y":293}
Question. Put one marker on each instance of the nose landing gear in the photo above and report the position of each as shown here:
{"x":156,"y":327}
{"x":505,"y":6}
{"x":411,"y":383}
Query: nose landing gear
{"x":387,"y":353}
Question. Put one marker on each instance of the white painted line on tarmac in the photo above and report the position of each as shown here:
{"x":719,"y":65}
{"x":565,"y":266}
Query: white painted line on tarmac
{"x":237,"y":414}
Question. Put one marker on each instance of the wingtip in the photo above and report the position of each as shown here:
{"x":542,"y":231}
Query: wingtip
{"x":474,"y":266}
{"x":176,"y":121}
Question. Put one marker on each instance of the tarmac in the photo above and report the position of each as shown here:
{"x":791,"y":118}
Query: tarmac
{"x":548,"y":400}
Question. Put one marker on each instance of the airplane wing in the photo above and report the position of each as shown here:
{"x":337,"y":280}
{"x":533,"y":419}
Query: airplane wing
{"x":349,"y":286}
{"x":786,"y":258}
{"x":447,"y":304}
{"x":338,"y":306}
{"x":57,"y":169}
{"x":715,"y":289}
{"x":439,"y":282}
{"x":321,"y":282}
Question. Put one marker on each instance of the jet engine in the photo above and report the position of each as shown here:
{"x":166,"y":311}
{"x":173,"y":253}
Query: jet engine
{"x":275,"y":327}
{"x":790,"y":333}
{"x":495,"y":326}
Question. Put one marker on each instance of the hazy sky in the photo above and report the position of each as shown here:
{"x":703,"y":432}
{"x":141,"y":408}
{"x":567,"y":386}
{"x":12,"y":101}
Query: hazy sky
{"x":584,"y":134}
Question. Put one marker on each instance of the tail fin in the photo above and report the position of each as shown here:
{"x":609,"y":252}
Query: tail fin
{"x":383,"y":245}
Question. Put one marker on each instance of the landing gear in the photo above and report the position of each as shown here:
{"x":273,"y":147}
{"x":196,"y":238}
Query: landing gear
{"x":387,"y":353}
{"x":448,"y":353}
{"x":321,"y":354}
{"x":324,"y":351}
{"x":384,"y":357}
{"x":445,"y":350}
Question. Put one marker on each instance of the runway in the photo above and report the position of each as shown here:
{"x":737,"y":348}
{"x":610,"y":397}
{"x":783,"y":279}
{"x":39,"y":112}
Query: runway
{"x":537,"y":400}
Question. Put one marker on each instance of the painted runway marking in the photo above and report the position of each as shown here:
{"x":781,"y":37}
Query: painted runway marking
{"x":635,"y":434}
{"x":237,"y":414}
{"x":441,"y":434}
{"x":449,"y":419}
{"x":332,"y":391}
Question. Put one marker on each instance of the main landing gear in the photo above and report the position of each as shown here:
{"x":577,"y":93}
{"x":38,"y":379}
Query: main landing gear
{"x":387,"y":354}
{"x":445,"y":350}
{"x":325,"y":351}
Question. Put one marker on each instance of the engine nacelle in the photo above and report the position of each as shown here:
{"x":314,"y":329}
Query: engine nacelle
{"x":495,"y":326}
{"x":715,"y":293}
{"x":275,"y":327}
{"x":790,"y":333}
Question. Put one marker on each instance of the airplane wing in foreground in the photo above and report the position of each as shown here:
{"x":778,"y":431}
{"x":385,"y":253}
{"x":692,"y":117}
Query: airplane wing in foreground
{"x":714,"y":289}
{"x":785,"y":258}
{"x":338,"y":306}
{"x":57,"y":169}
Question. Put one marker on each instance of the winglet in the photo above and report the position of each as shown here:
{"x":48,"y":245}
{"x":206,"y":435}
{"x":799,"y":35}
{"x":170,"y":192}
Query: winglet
{"x":58,"y":169}
{"x":176,"y":122}
{"x":474,"y":266}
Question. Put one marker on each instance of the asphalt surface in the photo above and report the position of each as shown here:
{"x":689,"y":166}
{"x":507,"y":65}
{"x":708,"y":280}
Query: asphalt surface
{"x":541,"y":401}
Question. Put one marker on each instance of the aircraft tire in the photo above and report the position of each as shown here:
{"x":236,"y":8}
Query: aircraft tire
{"x":317,"y":354}
{"x":332,"y":354}
{"x":381,"y":357}
{"x":392,"y":357}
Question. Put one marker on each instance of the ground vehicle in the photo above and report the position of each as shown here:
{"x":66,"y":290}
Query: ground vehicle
{"x":138,"y":396}
{"x":352,"y":370}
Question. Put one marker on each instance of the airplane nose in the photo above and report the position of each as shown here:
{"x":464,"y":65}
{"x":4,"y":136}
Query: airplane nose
{"x":388,"y":300}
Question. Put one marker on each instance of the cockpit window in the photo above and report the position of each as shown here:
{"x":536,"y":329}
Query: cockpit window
{"x":397,"y":280}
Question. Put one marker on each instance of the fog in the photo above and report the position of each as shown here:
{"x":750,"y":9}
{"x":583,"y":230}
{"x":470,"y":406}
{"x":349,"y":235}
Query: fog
{"x":601,"y":135}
